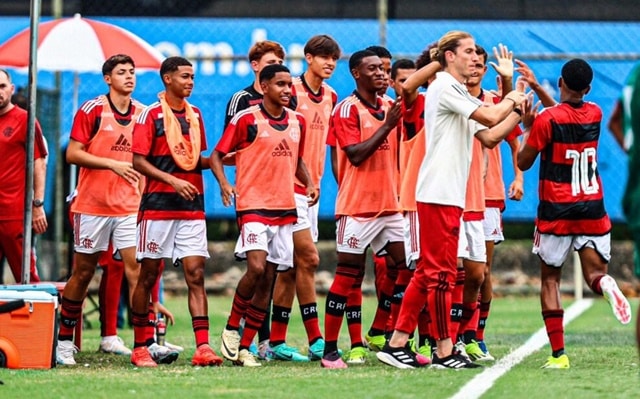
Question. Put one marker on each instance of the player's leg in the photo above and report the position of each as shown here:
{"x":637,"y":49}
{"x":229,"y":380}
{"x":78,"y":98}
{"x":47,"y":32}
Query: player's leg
{"x":594,"y":255}
{"x":109,"y":299}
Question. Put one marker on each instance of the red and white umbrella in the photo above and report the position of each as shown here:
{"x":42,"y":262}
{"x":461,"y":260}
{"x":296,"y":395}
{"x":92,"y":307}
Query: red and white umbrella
{"x":78,"y":45}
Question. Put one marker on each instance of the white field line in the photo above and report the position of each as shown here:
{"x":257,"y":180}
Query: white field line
{"x":482,"y":382}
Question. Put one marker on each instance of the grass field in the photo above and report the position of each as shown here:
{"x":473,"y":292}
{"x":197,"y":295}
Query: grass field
{"x":604,"y":364}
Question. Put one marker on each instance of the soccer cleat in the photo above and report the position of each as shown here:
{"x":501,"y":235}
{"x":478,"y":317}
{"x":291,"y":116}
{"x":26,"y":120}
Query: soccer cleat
{"x":375,"y":342}
{"x":246,"y":359}
{"x":357,"y":355}
{"x":316,"y":351}
{"x":424,"y":350}
{"x":263,"y":350}
{"x":487,"y":354}
{"x":162,"y":354}
{"x":114,"y":345}
{"x":176,"y":348}
{"x":140,"y":357}
{"x":230,"y":344}
{"x":561,"y":362}
{"x":616,"y":299}
{"x":287,"y":353}
{"x":454,"y":361}
{"x":401,"y":358}
{"x":333,"y":361}
{"x":460,"y":347}
{"x":475,"y":353}
{"x":205,"y":356}
{"x":64,"y":353}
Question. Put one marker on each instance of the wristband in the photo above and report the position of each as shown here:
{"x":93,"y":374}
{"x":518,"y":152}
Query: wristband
{"x":518,"y":111}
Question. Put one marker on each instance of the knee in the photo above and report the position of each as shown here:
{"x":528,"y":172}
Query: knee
{"x":195,"y":276}
{"x":308,"y":262}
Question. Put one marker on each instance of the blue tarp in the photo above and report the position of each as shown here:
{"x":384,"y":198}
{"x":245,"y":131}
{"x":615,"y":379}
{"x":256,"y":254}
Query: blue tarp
{"x":545,"y":46}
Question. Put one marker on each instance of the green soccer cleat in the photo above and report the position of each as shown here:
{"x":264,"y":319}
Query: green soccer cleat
{"x":287,"y":353}
{"x":561,"y":362}
{"x":357,"y":355}
{"x":375,"y":342}
{"x":476,"y":353}
{"x":424,"y":350}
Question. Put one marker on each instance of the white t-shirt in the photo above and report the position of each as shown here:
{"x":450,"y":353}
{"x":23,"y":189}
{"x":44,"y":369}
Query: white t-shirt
{"x":443,"y":174}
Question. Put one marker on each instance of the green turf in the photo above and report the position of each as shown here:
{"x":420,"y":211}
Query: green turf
{"x":603,"y":357}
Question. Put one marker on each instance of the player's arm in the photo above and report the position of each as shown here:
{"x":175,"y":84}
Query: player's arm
{"x":516,"y":188}
{"x":491,"y":137}
{"x":228,"y":143}
{"x":39,"y":221}
{"x":416,"y":80}
{"x":360,"y":152}
{"x":527,"y":153}
{"x":494,"y":114}
{"x":527,"y":74}
{"x":615,"y":124}
{"x":77,"y":153}
{"x":302,"y":173}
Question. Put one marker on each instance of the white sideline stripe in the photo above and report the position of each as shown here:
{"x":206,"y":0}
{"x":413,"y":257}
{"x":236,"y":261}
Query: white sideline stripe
{"x":482,"y":382}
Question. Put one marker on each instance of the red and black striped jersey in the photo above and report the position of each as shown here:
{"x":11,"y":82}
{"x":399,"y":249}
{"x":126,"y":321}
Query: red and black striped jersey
{"x":160,"y":201}
{"x":570,"y":189}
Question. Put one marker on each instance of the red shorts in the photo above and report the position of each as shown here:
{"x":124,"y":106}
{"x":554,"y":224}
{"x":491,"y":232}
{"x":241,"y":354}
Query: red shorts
{"x":11,"y":239}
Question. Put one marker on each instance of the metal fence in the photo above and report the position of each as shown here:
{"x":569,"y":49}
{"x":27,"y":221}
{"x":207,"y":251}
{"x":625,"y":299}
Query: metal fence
{"x":218,"y":48}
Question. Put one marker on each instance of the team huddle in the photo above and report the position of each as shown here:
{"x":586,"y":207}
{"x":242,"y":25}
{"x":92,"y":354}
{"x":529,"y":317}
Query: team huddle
{"x":419,"y":183}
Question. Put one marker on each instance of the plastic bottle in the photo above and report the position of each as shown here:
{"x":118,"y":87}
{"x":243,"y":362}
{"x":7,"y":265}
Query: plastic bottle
{"x":161,"y":330}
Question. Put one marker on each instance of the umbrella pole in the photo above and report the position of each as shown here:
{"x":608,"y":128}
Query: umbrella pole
{"x":31,"y":130}
{"x":73,"y":169}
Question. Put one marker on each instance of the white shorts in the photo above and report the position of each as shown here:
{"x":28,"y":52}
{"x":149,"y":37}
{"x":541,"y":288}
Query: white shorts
{"x":492,"y":225}
{"x":173,"y":239}
{"x":93,"y":233}
{"x":411,"y":238}
{"x":276,"y":241}
{"x":307,"y":216}
{"x":463,"y":246}
{"x":475,"y":241}
{"x":354,"y":235}
{"x":553,"y":250}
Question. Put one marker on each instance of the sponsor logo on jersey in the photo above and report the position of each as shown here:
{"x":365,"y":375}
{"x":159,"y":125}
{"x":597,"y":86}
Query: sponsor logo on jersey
{"x":108,"y":128}
{"x":122,"y":144}
{"x":8,"y":131}
{"x":384,"y":146}
{"x":282,"y":150}
{"x":317,"y":123}
{"x":179,"y":149}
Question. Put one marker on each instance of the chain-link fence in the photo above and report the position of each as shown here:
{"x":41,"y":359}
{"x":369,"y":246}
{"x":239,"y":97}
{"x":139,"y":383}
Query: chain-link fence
{"x":218,"y":48}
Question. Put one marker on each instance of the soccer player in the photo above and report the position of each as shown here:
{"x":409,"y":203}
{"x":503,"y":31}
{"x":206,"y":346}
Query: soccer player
{"x":625,"y":126}
{"x":440,"y":195}
{"x":483,"y":223}
{"x":108,"y":194}
{"x":571,"y":213}
{"x":314,"y":99}
{"x":261,"y":54}
{"x":268,"y":140}
{"x":167,"y":143}
{"x":367,"y":209}
{"x":13,"y":123}
{"x":412,"y":150}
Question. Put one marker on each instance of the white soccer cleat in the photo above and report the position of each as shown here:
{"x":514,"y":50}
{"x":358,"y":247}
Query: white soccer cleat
{"x":64,"y":353}
{"x":115,"y":345}
{"x":619,"y":304}
{"x":247,"y":359}
{"x":230,"y":344}
{"x":161,"y":354}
